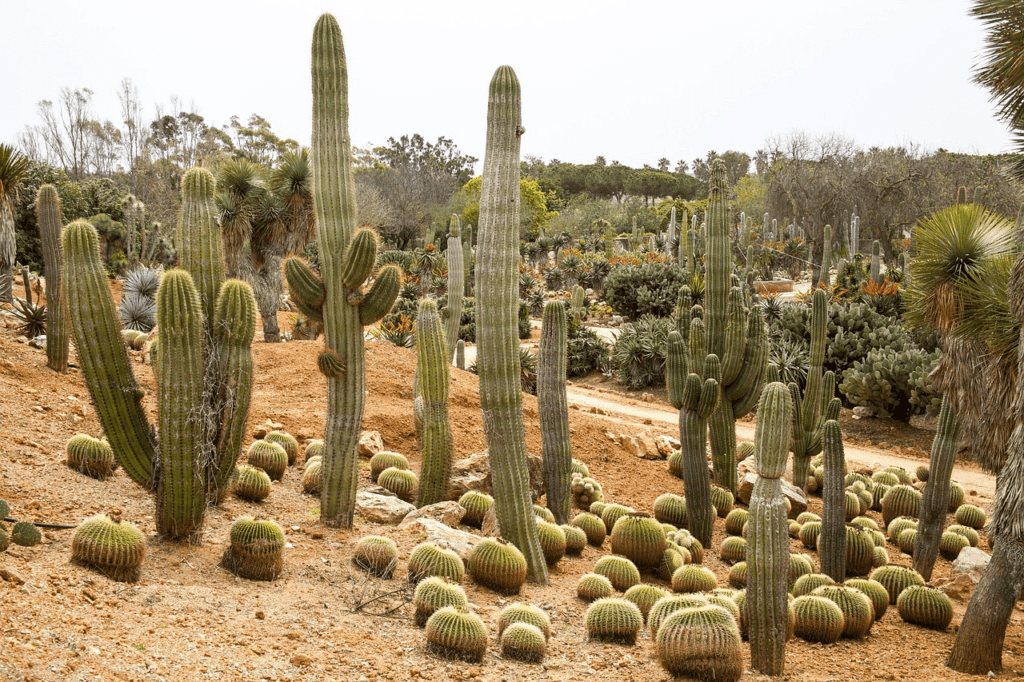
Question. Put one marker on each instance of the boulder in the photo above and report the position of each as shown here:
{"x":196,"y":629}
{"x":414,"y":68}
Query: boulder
{"x":386,"y":509}
{"x":449,"y":513}
{"x":865,"y":411}
{"x":474,"y":473}
{"x":370,"y":443}
{"x":432,"y":530}
{"x":747,"y":466}
{"x":666,"y":445}
{"x":489,"y":526}
{"x":265,"y":428}
{"x":798,"y":503}
{"x":971,"y":562}
{"x":640,"y":445}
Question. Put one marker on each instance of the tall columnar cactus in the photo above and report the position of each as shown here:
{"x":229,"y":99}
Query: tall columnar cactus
{"x":935,"y":502}
{"x":876,"y":262}
{"x":50,"y":221}
{"x":576,"y":302}
{"x":501,"y":397}
{"x":456,"y":278}
{"x":767,"y":600}
{"x":553,"y":407}
{"x":432,"y":362}
{"x":460,"y":354}
{"x":346,"y":260}
{"x":826,"y":257}
{"x":737,"y":336}
{"x":467,"y":259}
{"x":670,"y":234}
{"x":689,"y":245}
{"x":832,"y":539}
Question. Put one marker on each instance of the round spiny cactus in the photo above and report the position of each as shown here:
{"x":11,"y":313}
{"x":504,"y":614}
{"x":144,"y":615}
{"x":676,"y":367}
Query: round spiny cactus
{"x":733,"y":549}
{"x":885,"y":478}
{"x":799,"y":564}
{"x":906,"y":541}
{"x":477,"y":505}
{"x":597,"y":508}
{"x":874,"y":591}
{"x":735,"y":520}
{"x":858,"y":611}
{"x":612,"y":513}
{"x":804,"y":517}
{"x":744,"y":450}
{"x":901,"y":500}
{"x":91,"y":456}
{"x":794,"y":529}
{"x":809,"y":533}
{"x":592,"y":586}
{"x":268,"y":456}
{"x":878,"y":537}
{"x":402,"y":482}
{"x":377,"y":555}
{"x":456,"y":634}
{"x":286,"y":441}
{"x":113,"y":548}
{"x":865,"y":522}
{"x":311,"y":477}
{"x":675,"y":464}
{"x":622,"y":572}
{"x":578,"y":467}
{"x":851,"y":505}
{"x":902,"y":474}
{"x":498,"y":565}
{"x":666,"y":606}
{"x":543,"y":513}
{"x":819,"y":477}
{"x":897,"y":526}
{"x":524,"y":613}
{"x":818,"y":619}
{"x":879,"y":557}
{"x":806,"y":584}
{"x":5,"y":539}
{"x":866,"y":500}
{"x":614,"y":620}
{"x":251,"y":483}
{"x":860,"y":550}
{"x":925,"y":606}
{"x":971,"y":516}
{"x":314,"y":448}
{"x":592,"y":525}
{"x":956,"y":496}
{"x":552,"y":541}
{"x":691,"y":545}
{"x":671,"y":560}
{"x":722,"y":500}
{"x":972,"y":535}
{"x":727,"y":602}
{"x":701,"y":643}
{"x":693,"y":578}
{"x":434,"y":593}
{"x":313,"y":459}
{"x":670,"y":508}
{"x":854,"y":478}
{"x":256,"y":551}
{"x":427,"y":559}
{"x":385,"y":459}
{"x":738,"y":575}
{"x":922,"y":473}
{"x":523,"y":642}
{"x":895,"y":579}
{"x":881,"y":490}
{"x":25,"y":534}
{"x":5,"y":509}
{"x":575,"y":539}
{"x":639,"y":538}
{"x":644,"y":596}
{"x":586,"y":494}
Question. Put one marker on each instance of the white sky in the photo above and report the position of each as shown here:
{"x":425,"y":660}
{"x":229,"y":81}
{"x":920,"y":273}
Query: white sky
{"x":632,"y":81}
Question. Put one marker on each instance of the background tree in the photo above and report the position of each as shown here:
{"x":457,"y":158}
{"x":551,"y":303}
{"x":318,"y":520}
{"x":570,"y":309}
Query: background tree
{"x":13,"y":166}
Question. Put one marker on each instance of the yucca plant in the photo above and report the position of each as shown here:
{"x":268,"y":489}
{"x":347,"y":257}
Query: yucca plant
{"x":138,"y":313}
{"x":13,"y":168}
{"x":31,"y":318}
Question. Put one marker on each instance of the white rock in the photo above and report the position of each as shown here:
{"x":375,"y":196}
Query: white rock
{"x":449,"y":513}
{"x":381,"y":508}
{"x":972,"y":562}
{"x":666,"y":445}
{"x":370,"y":443}
{"x":865,"y":411}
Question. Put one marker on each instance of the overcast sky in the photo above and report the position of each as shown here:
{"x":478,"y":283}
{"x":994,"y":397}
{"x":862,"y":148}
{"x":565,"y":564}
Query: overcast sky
{"x":630,"y":81}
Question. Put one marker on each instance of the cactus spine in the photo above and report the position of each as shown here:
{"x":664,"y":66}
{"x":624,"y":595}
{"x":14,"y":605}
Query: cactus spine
{"x":768,"y":538}
{"x":832,"y":540}
{"x":935,"y":501}
{"x":456,"y":279}
{"x":50,"y":221}
{"x":553,"y":407}
{"x":432,"y":361}
{"x":826,"y":257}
{"x":737,"y":336}
{"x":501,"y":398}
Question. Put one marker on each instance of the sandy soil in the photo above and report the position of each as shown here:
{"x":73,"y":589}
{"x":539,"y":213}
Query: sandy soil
{"x":189,"y":619}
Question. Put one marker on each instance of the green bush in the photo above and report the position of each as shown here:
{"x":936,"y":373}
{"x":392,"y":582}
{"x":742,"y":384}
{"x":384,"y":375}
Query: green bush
{"x":648,"y":289}
{"x":895,"y":381}
{"x":640,"y":351}
{"x":587,"y":352}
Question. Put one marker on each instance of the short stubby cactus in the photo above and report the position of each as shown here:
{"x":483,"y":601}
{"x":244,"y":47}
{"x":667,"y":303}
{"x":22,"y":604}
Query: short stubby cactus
{"x":733,"y":549}
{"x":875,"y":591}
{"x":575,"y":540}
{"x":806,"y":584}
{"x":91,"y":456}
{"x":251,"y":483}
{"x":950,"y":545}
{"x":544,"y":513}
{"x":552,"y":541}
{"x":612,"y":513}
{"x":256,"y":551}
{"x":115,"y":549}
{"x":895,"y":579}
{"x":701,"y":643}
{"x":906,"y":541}
{"x":311,"y":477}
{"x":971,"y":516}
{"x":644,"y":596}
{"x":880,"y":557}
{"x":722,"y":500}
{"x":286,"y":441}
{"x":498,"y":565}
{"x":25,"y":534}
{"x":901,"y":500}
{"x":925,"y":606}
{"x":860,"y":548}
{"x":693,"y":578}
{"x":434,"y":593}
{"x":858,"y":611}
{"x":523,"y":642}
{"x":585,"y":491}
{"x":476,"y":504}
{"x":735,"y":520}
{"x":726,"y":601}
{"x":639,"y":538}
{"x":427,"y":559}
{"x":956,"y":496}
{"x":670,"y":508}
{"x":5,"y":539}
{"x":578,"y":467}
{"x":622,"y":572}
{"x":898,"y":525}
{"x":666,"y":606}
{"x":592,"y":586}
{"x":456,"y":633}
{"x":593,"y":526}
{"x":385,"y":459}
{"x":671,"y":560}
{"x":377,"y":555}
{"x":524,"y":613}
{"x":401,"y":482}
{"x":799,"y":564}
{"x":818,"y":619}
{"x":971,"y":534}
{"x":614,"y":621}
{"x":314,"y":448}
{"x":270,"y":457}
{"x":738,"y":575}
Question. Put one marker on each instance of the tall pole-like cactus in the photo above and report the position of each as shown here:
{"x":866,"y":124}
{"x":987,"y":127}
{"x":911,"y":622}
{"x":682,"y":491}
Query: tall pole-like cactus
{"x":826,"y":257}
{"x":768,"y":540}
{"x":553,"y":408}
{"x":935,"y":502}
{"x":346,"y":259}
{"x":467,"y":259}
{"x":432,"y":362}
{"x":670,"y":234}
{"x":737,"y":336}
{"x":456,"y":275}
{"x":876,"y":262}
{"x":832,"y":540}
{"x":51,"y":221}
{"x":501,"y":397}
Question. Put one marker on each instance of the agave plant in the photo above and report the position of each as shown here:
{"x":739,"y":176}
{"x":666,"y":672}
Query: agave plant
{"x":142,"y":282}
{"x":791,"y":358}
{"x":31,"y":318}
{"x":137,"y":312}
{"x":771,"y":307}
{"x":401,"y":332}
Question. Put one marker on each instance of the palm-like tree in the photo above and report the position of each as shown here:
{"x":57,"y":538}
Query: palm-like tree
{"x":13,"y":168}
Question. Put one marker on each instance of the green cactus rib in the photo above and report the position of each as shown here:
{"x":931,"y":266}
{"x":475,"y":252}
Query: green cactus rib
{"x":553,"y":407}
{"x":381,"y":296}
{"x":809,"y":407}
{"x":432,"y":362}
{"x":832,"y":539}
{"x":876,"y":262}
{"x":303,"y":282}
{"x":335,"y":209}
{"x":501,"y":398}
{"x":456,"y":284}
{"x":102,"y":354}
{"x":768,"y":558}
{"x":935,"y":501}
{"x":826,"y":257}
{"x":200,"y":250}
{"x":50,"y":221}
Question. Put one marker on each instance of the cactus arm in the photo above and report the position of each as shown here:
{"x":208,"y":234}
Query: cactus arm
{"x":50,"y":221}
{"x":553,"y":408}
{"x":745,"y":389}
{"x":201,"y":251}
{"x":719,"y":263}
{"x":735,"y":338}
{"x":104,"y":360}
{"x":382,"y":294}
{"x":722,"y":424}
{"x":935,"y":502}
{"x":698,"y":347}
{"x":832,"y":539}
{"x":677,"y":362}
{"x":456,"y":284}
{"x":698,"y":401}
{"x":432,"y":362}
{"x":303,"y":282}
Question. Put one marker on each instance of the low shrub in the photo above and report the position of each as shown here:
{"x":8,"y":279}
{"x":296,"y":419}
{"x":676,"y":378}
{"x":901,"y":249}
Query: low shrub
{"x":646,"y":289}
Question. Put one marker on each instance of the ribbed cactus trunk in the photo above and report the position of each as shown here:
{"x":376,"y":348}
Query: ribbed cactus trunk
{"x":460,"y":354}
{"x":935,"y":503}
{"x":432,"y":362}
{"x":501,"y":398}
{"x":467,"y":260}
{"x":51,"y":221}
{"x":826,"y":257}
{"x":876,"y":262}
{"x":456,"y":275}
{"x":767,"y":537}
{"x":832,"y":539}
{"x":553,"y":408}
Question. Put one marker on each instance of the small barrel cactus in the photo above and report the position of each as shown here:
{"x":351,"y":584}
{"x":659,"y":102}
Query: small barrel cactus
{"x":898,"y":525}
{"x":543,"y":513}
{"x":858,"y":611}
{"x":427,"y":559}
{"x":115,"y":549}
{"x":895,"y":579}
{"x":885,"y":478}
{"x":956,"y":496}
{"x":865,"y":522}
{"x":385,"y":459}
{"x":270,"y":457}
{"x":286,"y":441}
{"x":639,"y":538}
{"x":552,"y":541}
{"x":251,"y":483}
{"x":671,"y":560}
{"x":586,"y":493}
{"x":612,"y":513}
{"x":622,"y":572}
{"x":809,"y":534}
{"x":925,"y":606}
{"x":402,"y":482}
{"x":702,"y":643}
{"x":726,"y":601}
{"x":971,"y":516}
{"x":666,"y":606}
{"x":901,"y":500}
{"x":498,"y":565}
{"x":735,"y":520}
{"x":670,"y":508}
{"x":456,"y":633}
{"x":614,"y":620}
{"x":902,"y":474}
{"x":738,"y":575}
{"x":880,"y":557}
{"x":311,"y":477}
{"x":91,"y":456}
{"x":906,"y":541}
{"x":25,"y":534}
{"x":968,"y":534}
{"x":578,"y":467}
{"x":852,"y":505}
{"x":722,"y":500}
{"x":806,"y":584}
{"x":875,"y":591}
{"x":314,"y":448}
{"x":256,"y":551}
{"x":524,"y":613}
{"x":523,"y":642}
{"x":575,"y":540}
{"x":744,"y":450}
{"x":818,"y":619}
{"x":593,"y":586}
{"x":693,"y":578}
{"x":377,"y":555}
{"x":644,"y":596}
{"x":733,"y":549}
{"x":593,"y":526}
{"x":794,"y":529}
{"x":5,"y":539}
{"x":434,"y":593}
{"x":597,"y":508}
{"x":799,"y":564}
{"x":675,"y":463}
{"x":860,"y":550}
{"x":476,"y":504}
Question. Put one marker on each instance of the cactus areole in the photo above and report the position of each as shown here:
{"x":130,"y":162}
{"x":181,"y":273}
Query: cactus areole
{"x":501,"y":398}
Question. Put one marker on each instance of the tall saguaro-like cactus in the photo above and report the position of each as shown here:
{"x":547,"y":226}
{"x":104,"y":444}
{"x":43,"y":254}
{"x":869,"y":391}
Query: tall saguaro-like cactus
{"x":735,"y":334}
{"x":826,"y":257}
{"x":432,"y":361}
{"x":832,"y":540}
{"x":51,"y":221}
{"x":553,"y":408}
{"x":767,"y":538}
{"x":501,"y":397}
{"x":456,"y":279}
{"x":935,"y":503}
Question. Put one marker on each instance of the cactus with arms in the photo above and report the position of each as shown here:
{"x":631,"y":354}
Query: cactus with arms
{"x":553,"y":408}
{"x":456,"y":279}
{"x":935,"y":502}
{"x":50,"y":221}
{"x":432,"y":363}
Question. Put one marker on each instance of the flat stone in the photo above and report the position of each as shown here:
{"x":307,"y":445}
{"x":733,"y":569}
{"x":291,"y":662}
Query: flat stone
{"x":458,"y":540}
{"x":489,"y":526}
{"x":971,"y":562}
{"x":381,"y":508}
{"x":865,"y":411}
{"x":666,"y":445}
{"x":474,"y":473}
{"x":798,"y":503}
{"x":449,"y":513}
{"x":370,"y":443}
